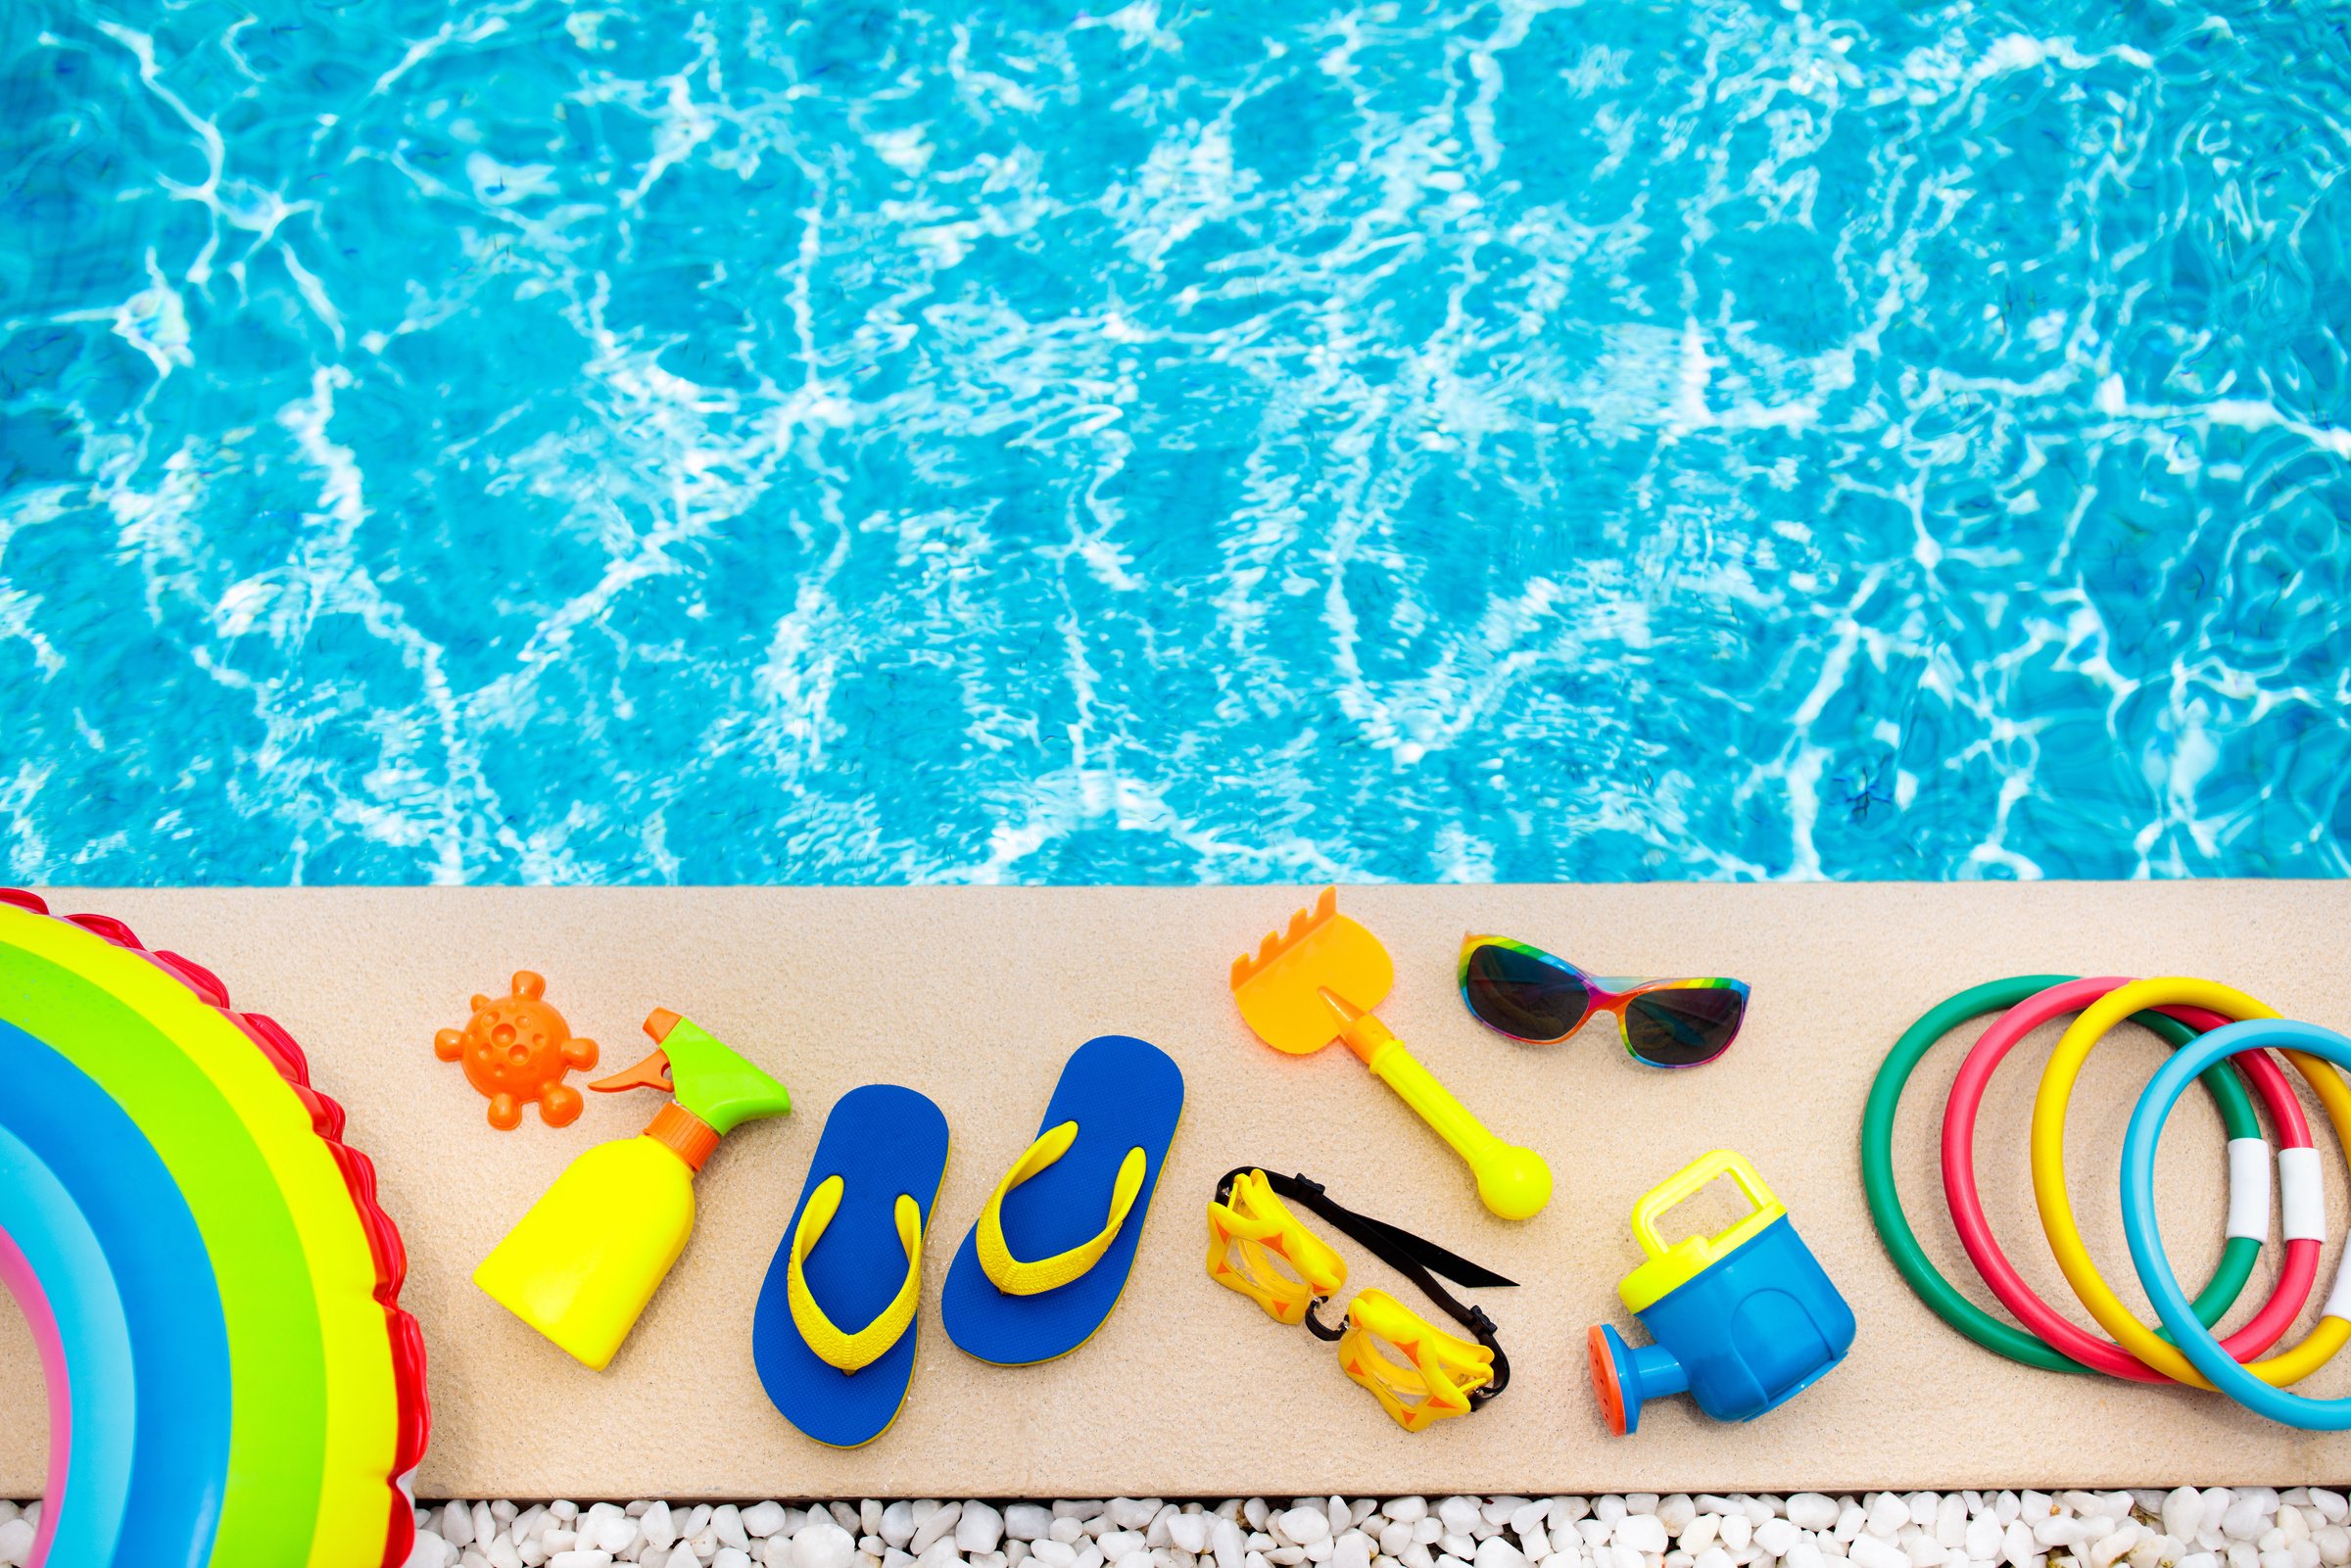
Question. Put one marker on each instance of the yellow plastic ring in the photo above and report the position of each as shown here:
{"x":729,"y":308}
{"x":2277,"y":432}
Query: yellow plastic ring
{"x":2057,"y":1212}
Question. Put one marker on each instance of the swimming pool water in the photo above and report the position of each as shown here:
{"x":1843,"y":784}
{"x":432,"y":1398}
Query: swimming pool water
{"x":849,"y":442}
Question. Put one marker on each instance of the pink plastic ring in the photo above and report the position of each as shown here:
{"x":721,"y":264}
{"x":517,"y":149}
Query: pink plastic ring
{"x":2294,"y":1281}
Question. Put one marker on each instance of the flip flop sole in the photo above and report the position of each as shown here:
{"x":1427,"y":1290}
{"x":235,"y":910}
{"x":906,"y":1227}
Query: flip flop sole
{"x":1123,"y":1094}
{"x":881,"y":1141}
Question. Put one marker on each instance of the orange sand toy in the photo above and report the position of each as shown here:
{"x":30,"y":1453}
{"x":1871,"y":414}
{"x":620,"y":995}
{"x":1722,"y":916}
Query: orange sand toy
{"x":519,"y":1049}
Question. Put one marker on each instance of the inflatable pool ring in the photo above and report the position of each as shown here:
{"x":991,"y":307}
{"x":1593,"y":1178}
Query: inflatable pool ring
{"x":2249,"y":1189}
{"x":303,"y":1430}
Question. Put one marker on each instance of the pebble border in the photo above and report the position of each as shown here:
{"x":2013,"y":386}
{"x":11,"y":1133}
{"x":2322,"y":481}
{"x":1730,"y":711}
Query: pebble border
{"x":2216,"y":1527}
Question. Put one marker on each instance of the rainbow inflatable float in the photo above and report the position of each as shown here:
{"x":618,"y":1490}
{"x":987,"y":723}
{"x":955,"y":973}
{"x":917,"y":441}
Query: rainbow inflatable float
{"x":213,"y":1291}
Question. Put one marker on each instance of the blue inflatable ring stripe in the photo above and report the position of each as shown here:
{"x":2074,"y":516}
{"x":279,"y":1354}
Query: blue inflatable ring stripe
{"x":156,"y":1387}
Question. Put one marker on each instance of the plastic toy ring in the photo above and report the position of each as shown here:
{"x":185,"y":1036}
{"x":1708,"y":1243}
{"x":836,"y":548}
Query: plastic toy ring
{"x":2300,"y":1041}
{"x":2298,"y":1178}
{"x":2249,"y":1189}
{"x":1941,"y":1297}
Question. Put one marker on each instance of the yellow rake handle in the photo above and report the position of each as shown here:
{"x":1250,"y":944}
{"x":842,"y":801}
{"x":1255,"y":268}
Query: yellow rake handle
{"x":1512,"y":1181}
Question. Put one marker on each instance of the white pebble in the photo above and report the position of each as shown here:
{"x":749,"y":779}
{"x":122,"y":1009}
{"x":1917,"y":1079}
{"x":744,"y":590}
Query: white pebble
{"x":1871,"y":1550}
{"x":940,"y":1523}
{"x":1405,"y":1510}
{"x":1811,"y":1510}
{"x":2117,"y":1544}
{"x":1352,"y":1550}
{"x":1885,"y":1514}
{"x":978,"y":1529}
{"x":818,"y":1543}
{"x":1303,"y":1526}
{"x":1496,"y":1552}
{"x":2056,"y":1530}
{"x":726,"y":1523}
{"x":1642,"y":1532}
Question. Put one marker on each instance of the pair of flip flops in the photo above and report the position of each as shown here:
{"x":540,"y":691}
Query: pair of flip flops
{"x":835,"y":1331}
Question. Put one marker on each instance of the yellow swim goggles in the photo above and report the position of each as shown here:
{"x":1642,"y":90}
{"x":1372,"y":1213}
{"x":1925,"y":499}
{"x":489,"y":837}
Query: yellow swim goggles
{"x":1418,"y":1372}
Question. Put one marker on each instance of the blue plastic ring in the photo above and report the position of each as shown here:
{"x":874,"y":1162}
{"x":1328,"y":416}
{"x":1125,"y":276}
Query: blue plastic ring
{"x":2154,"y":1109}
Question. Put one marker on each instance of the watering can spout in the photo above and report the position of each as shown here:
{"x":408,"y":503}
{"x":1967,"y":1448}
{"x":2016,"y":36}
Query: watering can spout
{"x":1626,"y":1378}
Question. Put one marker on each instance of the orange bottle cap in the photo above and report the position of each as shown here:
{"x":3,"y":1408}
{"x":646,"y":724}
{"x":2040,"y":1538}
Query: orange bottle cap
{"x":685,"y":1134}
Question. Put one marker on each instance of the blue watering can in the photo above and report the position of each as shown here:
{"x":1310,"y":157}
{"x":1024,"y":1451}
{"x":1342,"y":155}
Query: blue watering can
{"x":1743,"y":1319}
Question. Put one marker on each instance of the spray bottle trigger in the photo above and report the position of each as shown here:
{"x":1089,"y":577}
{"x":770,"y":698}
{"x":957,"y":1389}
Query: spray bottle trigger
{"x":651,"y":1073}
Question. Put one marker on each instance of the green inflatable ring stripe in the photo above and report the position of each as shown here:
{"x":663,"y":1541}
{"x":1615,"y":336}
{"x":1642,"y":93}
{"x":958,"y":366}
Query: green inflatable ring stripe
{"x":1941,"y":1296}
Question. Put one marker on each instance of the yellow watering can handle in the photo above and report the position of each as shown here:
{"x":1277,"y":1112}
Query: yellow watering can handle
{"x":1512,"y":1181}
{"x":1686,"y":1182}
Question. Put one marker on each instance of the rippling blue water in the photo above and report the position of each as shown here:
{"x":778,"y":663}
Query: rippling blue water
{"x":851,"y":441}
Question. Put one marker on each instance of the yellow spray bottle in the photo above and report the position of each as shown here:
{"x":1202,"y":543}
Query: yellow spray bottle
{"x":581,"y":1266}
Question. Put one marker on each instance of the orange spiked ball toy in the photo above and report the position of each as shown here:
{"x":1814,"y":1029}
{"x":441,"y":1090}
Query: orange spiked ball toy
{"x":516,"y":1050}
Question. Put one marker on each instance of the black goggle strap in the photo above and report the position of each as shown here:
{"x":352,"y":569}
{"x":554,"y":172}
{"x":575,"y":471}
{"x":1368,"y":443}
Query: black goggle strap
{"x":1415,"y":1258}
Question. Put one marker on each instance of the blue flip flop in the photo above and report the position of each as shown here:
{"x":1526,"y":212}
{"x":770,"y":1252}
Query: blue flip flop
{"x":1044,"y":1266}
{"x":852,"y":1254}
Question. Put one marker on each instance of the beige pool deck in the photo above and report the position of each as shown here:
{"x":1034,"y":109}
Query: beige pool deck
{"x":975,"y":995}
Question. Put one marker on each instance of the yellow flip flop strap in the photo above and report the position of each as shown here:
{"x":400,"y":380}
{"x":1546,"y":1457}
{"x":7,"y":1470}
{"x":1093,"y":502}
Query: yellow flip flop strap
{"x":849,"y":1352}
{"x":1017,"y":1278}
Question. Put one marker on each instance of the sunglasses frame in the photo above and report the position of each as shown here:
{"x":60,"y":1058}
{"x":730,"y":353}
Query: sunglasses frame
{"x":1602,"y":994}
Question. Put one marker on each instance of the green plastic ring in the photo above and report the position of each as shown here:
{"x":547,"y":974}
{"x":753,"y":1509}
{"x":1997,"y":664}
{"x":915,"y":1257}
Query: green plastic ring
{"x":1943,"y":1298}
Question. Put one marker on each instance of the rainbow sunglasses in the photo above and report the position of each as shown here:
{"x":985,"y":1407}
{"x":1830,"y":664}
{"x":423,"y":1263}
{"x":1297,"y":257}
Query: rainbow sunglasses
{"x":1540,"y":998}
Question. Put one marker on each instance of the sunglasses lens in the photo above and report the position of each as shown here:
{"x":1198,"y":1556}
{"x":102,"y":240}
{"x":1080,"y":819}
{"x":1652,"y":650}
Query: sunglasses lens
{"x":1521,"y":995}
{"x":1684,"y":1027}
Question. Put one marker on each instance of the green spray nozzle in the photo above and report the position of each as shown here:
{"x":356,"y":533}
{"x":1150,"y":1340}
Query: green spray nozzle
{"x":718,"y":1087}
